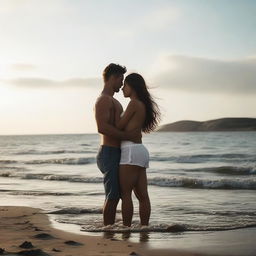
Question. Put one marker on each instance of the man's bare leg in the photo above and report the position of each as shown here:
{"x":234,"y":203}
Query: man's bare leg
{"x":109,"y":211}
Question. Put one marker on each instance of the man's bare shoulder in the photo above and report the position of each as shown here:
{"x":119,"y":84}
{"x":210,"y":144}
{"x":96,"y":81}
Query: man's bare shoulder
{"x":117,"y":102}
{"x":104,"y":99}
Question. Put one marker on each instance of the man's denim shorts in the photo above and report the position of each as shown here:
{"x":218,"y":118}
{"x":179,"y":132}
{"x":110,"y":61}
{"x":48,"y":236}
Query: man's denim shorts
{"x":108,"y":159}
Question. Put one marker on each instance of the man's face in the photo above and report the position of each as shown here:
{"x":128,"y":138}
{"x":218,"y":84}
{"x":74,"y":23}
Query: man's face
{"x":117,"y":82}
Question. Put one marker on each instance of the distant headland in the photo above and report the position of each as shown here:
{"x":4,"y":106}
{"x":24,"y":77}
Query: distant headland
{"x":222,"y":124}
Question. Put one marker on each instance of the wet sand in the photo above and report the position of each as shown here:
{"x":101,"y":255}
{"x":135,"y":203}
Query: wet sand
{"x":28,"y":231}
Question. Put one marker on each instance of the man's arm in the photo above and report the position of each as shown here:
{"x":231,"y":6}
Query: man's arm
{"x":102,"y":115}
{"x":127,"y":115}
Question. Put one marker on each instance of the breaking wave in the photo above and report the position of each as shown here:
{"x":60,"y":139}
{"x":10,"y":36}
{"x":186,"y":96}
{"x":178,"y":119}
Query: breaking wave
{"x":76,"y":210}
{"x":66,"y":161}
{"x":36,"y":152}
{"x":178,"y":181}
{"x":222,"y":183}
{"x":163,"y":228}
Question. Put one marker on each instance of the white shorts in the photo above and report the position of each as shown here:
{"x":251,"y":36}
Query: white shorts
{"x":134,"y":154}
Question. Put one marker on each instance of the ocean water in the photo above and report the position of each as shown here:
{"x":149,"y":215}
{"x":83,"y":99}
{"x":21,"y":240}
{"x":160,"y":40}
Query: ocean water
{"x":197,"y":181}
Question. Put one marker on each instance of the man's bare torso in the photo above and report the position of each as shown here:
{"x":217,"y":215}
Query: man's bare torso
{"x":115,"y":109}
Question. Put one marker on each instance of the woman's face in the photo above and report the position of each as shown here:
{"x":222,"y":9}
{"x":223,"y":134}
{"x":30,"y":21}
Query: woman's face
{"x":127,"y":90}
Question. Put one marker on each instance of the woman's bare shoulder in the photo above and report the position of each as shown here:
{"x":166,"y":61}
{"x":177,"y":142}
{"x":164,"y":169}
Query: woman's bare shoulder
{"x":137,"y":103}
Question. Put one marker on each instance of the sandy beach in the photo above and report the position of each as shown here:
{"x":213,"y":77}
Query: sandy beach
{"x":50,"y":196}
{"x":28,"y":231}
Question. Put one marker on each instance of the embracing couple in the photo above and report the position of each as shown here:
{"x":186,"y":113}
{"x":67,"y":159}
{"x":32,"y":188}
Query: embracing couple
{"x":122,"y":158}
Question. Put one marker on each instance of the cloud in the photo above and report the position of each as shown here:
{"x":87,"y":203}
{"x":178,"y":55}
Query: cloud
{"x":184,"y":73}
{"x":151,"y":21}
{"x":50,"y":6}
{"x":161,"y":18}
{"x":10,"y":5}
{"x":42,"y":82}
{"x":207,"y":75}
{"x":23,"y":67}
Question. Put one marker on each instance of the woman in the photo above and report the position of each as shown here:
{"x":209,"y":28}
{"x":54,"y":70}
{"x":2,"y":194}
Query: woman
{"x":141,"y":113}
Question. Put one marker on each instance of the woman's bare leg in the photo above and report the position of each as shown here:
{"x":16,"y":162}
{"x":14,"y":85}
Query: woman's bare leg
{"x":128,"y":176}
{"x":141,"y":192}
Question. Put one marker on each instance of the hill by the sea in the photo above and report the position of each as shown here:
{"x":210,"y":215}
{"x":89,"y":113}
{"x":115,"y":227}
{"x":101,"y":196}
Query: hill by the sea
{"x":222,"y":124}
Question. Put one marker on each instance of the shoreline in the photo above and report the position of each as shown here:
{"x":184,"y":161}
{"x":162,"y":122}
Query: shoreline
{"x":21,"y":225}
{"x":232,"y":242}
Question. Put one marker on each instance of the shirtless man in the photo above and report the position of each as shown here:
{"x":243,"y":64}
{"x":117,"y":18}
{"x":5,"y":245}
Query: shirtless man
{"x":107,"y":111}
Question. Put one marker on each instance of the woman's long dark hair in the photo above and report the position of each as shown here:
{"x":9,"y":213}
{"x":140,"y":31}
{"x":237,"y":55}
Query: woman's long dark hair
{"x":138,"y":84}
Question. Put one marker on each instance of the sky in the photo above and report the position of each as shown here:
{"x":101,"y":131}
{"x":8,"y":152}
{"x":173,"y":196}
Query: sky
{"x":198,"y":58}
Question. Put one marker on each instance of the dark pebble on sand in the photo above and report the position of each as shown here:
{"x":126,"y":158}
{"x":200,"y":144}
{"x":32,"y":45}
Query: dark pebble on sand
{"x":44,"y":236}
{"x":38,"y":229}
{"x":134,"y":253}
{"x":2,"y":251}
{"x":113,"y":239}
{"x":26,"y":245}
{"x":56,"y":250}
{"x":70,"y":242}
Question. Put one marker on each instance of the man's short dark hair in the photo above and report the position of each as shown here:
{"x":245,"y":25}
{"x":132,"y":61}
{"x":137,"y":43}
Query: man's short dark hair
{"x":113,"y":69}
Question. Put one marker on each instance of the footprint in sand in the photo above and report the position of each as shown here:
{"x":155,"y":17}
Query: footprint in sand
{"x":36,"y":252}
{"x":74,"y":243}
{"x":26,"y":245}
{"x":44,"y":236}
